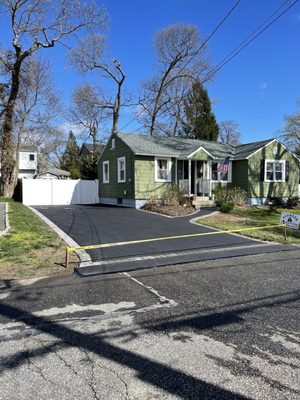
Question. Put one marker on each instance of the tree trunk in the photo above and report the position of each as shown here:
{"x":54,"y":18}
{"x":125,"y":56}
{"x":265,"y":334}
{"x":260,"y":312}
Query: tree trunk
{"x":9,"y":165}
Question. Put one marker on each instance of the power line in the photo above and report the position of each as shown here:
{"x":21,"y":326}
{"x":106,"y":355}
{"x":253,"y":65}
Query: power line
{"x":245,"y":43}
{"x":194,"y":55}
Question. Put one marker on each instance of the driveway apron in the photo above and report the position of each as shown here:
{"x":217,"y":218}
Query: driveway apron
{"x":90,"y":225}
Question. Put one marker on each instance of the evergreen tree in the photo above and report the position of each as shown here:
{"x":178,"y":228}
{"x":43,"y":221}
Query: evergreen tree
{"x":88,"y":166}
{"x":70,"y":160}
{"x":199,"y":120}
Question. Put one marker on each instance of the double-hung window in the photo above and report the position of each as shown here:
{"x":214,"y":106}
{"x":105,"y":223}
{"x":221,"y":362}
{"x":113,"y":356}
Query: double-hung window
{"x":121,"y":169}
{"x":274,"y":171}
{"x":218,"y":176}
{"x":163,"y":168}
{"x":105,"y":171}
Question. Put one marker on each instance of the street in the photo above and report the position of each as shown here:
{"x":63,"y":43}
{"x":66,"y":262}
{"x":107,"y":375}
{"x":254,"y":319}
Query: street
{"x":222,"y":329}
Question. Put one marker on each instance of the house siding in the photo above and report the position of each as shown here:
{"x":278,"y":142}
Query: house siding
{"x":113,"y":189}
{"x":260,"y":189}
{"x":145,"y":185}
{"x":240,"y":174}
{"x":200,"y":155}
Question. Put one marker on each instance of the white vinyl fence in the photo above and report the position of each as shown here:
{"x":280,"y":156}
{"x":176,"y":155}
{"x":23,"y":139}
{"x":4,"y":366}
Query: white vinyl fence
{"x":37,"y":192}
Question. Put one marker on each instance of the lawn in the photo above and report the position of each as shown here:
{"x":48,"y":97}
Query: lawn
{"x":250,"y":217}
{"x":30,"y":248}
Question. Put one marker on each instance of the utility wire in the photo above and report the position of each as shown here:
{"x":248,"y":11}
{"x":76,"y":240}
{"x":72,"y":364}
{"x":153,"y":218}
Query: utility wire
{"x":245,"y":43}
{"x":194,"y":55}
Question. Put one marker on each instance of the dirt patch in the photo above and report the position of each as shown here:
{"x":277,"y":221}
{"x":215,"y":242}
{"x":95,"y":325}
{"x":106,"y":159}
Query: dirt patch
{"x":172,"y":211}
{"x":229,"y":218}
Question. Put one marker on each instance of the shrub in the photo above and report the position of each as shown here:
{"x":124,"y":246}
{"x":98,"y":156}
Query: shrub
{"x":153,"y":200}
{"x":173,"y":196}
{"x":292,"y":202}
{"x":226,"y":206}
{"x":234,"y":194}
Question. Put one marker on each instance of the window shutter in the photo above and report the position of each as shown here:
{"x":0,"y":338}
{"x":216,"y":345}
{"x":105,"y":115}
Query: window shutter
{"x":287,"y":171}
{"x":262,"y":170}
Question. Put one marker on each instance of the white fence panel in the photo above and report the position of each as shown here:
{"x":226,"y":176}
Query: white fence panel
{"x":38,"y":192}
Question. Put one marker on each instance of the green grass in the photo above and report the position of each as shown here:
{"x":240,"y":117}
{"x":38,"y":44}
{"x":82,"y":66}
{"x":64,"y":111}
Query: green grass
{"x":250,"y":217}
{"x":30,"y":248}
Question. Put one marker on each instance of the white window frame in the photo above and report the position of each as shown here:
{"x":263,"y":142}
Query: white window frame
{"x":113,"y":143}
{"x":103,"y":172}
{"x":274,"y":171}
{"x":219,"y":180}
{"x":121,"y":159}
{"x":169,"y":169}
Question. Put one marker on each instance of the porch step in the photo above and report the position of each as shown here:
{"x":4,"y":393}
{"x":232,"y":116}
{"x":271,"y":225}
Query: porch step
{"x":203,"y":202}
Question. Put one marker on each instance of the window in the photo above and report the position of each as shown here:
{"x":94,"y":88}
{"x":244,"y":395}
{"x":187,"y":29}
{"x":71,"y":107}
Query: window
{"x":105,"y":171}
{"x":31,"y":157}
{"x":220,"y":176}
{"x":274,"y":171}
{"x":121,"y":169}
{"x":113,"y":144}
{"x":163,"y":169}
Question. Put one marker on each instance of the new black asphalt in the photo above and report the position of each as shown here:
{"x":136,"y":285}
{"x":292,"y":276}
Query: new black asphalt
{"x":91,"y":225}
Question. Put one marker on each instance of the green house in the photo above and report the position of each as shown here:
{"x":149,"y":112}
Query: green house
{"x":133,"y":168}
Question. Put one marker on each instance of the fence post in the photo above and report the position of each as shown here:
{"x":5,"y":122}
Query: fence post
{"x":67,"y":257}
{"x":285,"y":232}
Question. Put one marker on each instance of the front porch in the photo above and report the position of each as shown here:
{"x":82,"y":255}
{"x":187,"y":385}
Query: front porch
{"x":194,"y":177}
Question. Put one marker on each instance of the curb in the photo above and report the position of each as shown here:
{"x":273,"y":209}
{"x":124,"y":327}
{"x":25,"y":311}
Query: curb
{"x":84,"y":257}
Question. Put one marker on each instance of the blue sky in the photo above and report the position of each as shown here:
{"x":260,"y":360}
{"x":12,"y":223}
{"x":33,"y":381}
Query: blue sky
{"x":256,"y":89}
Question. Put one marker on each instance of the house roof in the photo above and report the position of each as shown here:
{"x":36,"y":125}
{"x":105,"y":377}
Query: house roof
{"x":90,"y":147}
{"x":54,"y":171}
{"x":183,"y":147}
{"x":27,"y":148}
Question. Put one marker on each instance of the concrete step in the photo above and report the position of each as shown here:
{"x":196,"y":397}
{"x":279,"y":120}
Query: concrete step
{"x":203,"y":202}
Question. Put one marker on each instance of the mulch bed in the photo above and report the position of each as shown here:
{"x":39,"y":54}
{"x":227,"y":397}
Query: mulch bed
{"x":172,"y":211}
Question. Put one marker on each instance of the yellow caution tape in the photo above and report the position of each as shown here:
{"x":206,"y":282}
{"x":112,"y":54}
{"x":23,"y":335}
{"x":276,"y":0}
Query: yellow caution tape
{"x":105,"y":245}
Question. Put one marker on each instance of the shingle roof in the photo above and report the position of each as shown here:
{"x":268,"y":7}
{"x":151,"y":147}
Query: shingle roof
{"x":90,"y":147}
{"x":27,"y":147}
{"x":54,"y":171}
{"x":182,"y":147}
{"x":244,"y":150}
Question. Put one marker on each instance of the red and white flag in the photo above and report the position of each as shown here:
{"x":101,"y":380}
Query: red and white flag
{"x":223,"y":166}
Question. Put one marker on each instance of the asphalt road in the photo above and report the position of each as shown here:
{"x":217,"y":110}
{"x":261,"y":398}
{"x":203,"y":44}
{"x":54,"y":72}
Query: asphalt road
{"x":221,"y":329}
{"x":89,"y":225}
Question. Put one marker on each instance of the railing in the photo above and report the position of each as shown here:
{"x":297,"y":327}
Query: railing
{"x":204,"y":186}
{"x":184,"y":185}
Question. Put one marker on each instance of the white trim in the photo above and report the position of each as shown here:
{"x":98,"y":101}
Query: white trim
{"x":119,"y":160}
{"x":113,"y":143}
{"x":190,"y":176}
{"x":103,"y":171}
{"x":160,"y":156}
{"x":201,"y":148}
{"x":169,"y":169}
{"x":274,"y":170}
{"x":229,"y":180}
{"x":256,"y":151}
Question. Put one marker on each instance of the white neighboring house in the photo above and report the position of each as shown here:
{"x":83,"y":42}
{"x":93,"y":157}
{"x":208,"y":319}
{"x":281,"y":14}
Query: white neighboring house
{"x":53,"y":173}
{"x":27,"y":161}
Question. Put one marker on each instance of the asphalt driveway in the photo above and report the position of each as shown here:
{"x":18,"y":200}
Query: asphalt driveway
{"x":90,"y":224}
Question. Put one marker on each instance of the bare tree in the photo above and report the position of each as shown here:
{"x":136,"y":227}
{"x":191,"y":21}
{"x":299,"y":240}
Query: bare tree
{"x":291,"y":130}
{"x":180,"y":57}
{"x":229,"y":132}
{"x":34,"y":25}
{"x":91,"y":54}
{"x":89,"y":110}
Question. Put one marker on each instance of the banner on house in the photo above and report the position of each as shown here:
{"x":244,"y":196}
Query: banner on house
{"x":290,"y":220}
{"x":223,"y":166}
